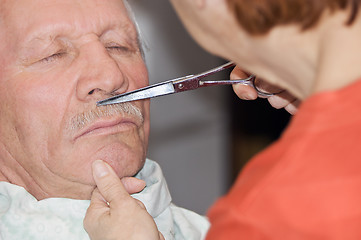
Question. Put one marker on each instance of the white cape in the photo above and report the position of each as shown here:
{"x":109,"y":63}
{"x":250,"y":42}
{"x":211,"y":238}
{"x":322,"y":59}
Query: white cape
{"x":23,"y":217}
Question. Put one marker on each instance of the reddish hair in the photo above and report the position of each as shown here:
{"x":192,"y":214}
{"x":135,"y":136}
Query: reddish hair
{"x":259,"y":16}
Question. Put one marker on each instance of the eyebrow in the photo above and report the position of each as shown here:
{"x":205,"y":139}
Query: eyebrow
{"x":41,"y":34}
{"x":133,"y":35}
{"x":50,"y":38}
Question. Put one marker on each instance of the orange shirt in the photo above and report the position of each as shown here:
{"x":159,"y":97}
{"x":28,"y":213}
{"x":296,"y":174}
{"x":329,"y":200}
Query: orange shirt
{"x":307,"y":185}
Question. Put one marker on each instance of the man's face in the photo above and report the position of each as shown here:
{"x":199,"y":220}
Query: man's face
{"x":58,"y":57}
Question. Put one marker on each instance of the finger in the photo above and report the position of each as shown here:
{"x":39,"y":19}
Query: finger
{"x":161,"y":237}
{"x":245,"y":92}
{"x":281,"y":100}
{"x":265,"y":87}
{"x":108,"y":183}
{"x":292,"y":108}
{"x":97,"y":200}
{"x":237,"y":73}
{"x":98,"y":206}
{"x":132,"y":184}
{"x":141,"y":204}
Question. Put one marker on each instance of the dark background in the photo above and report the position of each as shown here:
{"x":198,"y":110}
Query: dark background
{"x":254,"y":126}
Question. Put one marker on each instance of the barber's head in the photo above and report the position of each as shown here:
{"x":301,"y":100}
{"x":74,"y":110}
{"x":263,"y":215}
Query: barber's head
{"x":278,"y":40}
{"x":57,"y":58}
{"x":259,"y":17}
{"x":204,"y":17}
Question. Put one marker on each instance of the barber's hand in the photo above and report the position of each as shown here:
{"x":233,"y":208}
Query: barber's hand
{"x":113,"y":213}
{"x":281,"y":100}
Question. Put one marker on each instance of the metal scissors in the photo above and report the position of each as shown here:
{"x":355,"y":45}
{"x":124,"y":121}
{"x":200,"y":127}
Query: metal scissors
{"x":181,"y":84}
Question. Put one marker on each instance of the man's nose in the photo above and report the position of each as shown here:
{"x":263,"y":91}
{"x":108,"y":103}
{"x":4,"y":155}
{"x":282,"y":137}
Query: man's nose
{"x":100,"y":75}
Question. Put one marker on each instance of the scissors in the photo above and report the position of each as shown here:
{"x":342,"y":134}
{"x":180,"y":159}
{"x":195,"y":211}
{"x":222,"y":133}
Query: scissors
{"x":181,"y":84}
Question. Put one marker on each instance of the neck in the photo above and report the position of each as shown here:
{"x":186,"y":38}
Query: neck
{"x":340,"y":57}
{"x":13,"y":172}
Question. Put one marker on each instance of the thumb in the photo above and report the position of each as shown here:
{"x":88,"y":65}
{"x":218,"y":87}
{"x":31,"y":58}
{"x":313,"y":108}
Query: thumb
{"x":108,"y":182}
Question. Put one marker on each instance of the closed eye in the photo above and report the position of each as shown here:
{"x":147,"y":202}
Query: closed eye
{"x":119,"y":49}
{"x":53,"y":57}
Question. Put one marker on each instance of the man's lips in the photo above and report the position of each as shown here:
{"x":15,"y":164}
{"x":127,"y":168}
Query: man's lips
{"x":108,"y":126}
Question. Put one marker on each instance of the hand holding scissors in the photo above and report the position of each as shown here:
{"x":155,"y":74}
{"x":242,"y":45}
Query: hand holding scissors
{"x":280,"y":99}
{"x":182,"y":84}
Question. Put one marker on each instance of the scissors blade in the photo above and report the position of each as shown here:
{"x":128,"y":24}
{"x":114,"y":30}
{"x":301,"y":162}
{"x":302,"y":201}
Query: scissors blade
{"x":139,"y":94}
{"x":181,"y":84}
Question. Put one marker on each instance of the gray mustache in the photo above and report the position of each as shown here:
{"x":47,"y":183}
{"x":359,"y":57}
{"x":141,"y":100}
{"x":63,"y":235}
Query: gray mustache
{"x":125,"y":109}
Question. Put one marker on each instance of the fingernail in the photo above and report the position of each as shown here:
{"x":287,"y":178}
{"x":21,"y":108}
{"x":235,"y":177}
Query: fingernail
{"x":100,"y":169}
{"x":250,"y":96}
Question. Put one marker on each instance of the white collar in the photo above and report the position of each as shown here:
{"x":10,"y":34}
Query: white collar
{"x":22,"y":216}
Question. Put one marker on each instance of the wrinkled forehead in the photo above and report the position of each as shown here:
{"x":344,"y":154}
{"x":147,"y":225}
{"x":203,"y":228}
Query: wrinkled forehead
{"x":79,"y":16}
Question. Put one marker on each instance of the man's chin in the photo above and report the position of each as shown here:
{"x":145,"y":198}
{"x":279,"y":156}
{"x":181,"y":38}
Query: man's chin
{"x":126,"y":167}
{"x":126,"y":160}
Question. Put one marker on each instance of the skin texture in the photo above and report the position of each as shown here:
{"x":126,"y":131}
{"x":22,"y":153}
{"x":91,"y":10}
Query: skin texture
{"x":54,"y":67}
{"x":38,"y":146}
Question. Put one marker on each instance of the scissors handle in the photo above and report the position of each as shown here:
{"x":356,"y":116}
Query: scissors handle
{"x":250,"y":81}
{"x":192,"y":82}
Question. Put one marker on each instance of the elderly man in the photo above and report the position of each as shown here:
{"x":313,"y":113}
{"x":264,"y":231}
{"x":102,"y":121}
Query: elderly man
{"x":58,"y":57}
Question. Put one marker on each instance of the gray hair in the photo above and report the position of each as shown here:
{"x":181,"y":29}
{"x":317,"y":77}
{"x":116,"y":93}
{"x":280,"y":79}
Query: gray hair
{"x":83,"y":119}
{"x":141,"y":43}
